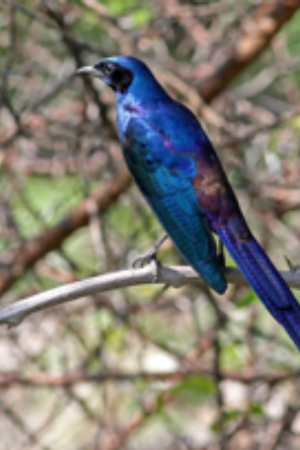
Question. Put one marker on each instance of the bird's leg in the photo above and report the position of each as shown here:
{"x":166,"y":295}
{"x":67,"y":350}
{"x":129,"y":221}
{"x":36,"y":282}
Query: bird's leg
{"x":294,"y":268}
{"x":150,"y":255}
{"x":221,"y":254}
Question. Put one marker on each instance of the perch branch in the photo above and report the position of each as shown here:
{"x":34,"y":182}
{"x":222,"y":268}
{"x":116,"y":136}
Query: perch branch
{"x":172,"y":276}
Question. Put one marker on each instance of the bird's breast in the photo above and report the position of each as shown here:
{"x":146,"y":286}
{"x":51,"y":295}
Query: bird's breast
{"x":125,"y":112}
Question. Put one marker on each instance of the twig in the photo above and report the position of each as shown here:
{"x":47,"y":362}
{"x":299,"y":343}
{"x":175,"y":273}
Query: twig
{"x":45,"y":379}
{"x":172,"y":276}
{"x":265,"y":22}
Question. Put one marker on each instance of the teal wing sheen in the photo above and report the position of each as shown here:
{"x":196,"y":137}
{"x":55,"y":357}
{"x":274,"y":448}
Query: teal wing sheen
{"x":165,"y":178}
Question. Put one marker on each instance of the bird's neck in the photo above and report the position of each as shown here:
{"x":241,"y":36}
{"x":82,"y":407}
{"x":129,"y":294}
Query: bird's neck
{"x":145,"y":91}
{"x":127,"y":107}
{"x":138,"y":103}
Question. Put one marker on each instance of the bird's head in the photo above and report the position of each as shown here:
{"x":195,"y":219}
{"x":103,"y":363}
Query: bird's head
{"x":122,"y":74}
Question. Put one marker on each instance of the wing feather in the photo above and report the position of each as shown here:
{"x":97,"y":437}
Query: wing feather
{"x":166,"y":183}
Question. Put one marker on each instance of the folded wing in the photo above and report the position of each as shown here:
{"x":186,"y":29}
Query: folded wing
{"x":164,"y":177}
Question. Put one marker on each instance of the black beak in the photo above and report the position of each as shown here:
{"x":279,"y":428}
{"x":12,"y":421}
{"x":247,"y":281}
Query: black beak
{"x":89,"y":70}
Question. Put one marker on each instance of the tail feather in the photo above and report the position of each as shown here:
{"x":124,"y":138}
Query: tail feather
{"x":266,"y":282}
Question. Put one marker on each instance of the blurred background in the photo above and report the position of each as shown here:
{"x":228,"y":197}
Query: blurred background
{"x":143,"y":368}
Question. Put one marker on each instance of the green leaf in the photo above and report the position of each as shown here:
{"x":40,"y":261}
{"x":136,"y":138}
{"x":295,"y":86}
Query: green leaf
{"x":257,"y":410}
{"x":195,"y":388}
{"x":245,"y":301}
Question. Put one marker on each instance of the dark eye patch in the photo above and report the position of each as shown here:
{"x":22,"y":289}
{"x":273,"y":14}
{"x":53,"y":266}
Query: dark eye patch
{"x":108,"y":68}
{"x":121,"y":78}
{"x":105,"y":68}
{"x":116,"y":76}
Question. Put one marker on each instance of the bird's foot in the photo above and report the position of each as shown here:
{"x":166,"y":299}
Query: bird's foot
{"x":294,"y":268}
{"x":144,"y":259}
{"x":150,"y":256}
{"x":147,"y":257}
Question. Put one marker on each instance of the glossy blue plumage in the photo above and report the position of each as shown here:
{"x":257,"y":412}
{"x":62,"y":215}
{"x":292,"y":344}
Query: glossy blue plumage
{"x":178,"y":172}
{"x":266,"y":282}
{"x":166,"y":184}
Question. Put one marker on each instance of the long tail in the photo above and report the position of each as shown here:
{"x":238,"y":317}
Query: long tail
{"x":266,"y":282}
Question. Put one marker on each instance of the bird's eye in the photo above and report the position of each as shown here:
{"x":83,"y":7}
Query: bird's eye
{"x":108,"y":68}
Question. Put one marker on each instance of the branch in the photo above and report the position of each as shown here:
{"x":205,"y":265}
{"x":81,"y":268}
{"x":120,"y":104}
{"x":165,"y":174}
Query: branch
{"x":52,"y":238}
{"x":253,"y":38}
{"x":44,"y":379}
{"x":171,"y":276}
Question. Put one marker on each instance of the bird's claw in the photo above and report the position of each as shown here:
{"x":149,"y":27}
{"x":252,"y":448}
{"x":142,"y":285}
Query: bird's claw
{"x":150,"y":257}
{"x":145,"y":259}
{"x":293,"y":268}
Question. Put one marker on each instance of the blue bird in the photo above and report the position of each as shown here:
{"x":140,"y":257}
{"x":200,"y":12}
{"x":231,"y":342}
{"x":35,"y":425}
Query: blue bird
{"x":177,"y":170}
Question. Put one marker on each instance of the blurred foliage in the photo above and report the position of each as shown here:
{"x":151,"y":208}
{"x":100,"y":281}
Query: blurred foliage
{"x":142,"y":368}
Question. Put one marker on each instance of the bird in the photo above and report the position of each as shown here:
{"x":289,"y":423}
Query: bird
{"x":177,"y":170}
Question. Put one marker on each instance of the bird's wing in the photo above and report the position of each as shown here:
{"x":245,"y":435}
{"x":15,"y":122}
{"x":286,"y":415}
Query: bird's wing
{"x":165,"y":178}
